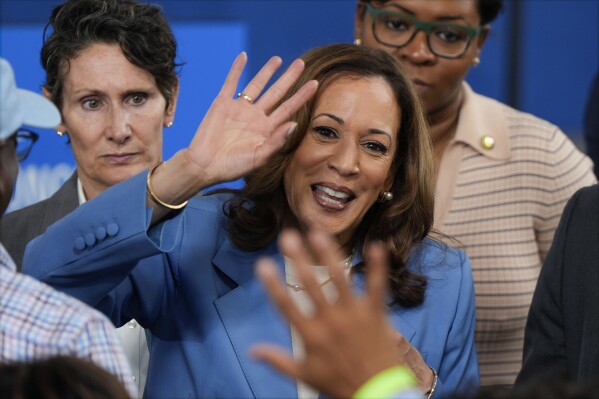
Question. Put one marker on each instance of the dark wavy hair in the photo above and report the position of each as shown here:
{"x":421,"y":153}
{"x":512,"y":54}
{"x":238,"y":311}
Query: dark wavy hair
{"x":140,"y":30}
{"x":260,"y":210}
{"x":487,"y":9}
{"x":66,"y":377}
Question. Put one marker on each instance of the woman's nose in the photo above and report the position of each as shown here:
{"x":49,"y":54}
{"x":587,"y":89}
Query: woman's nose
{"x":119,"y":129}
{"x":417,"y":50}
{"x":346,"y":159}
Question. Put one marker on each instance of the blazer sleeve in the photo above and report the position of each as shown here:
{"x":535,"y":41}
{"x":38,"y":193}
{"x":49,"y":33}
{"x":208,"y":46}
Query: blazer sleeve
{"x":91,"y":252}
{"x":544,"y":343}
{"x":458,"y":372}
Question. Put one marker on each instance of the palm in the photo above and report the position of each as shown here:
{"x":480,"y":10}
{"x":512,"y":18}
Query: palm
{"x":234,"y":136}
{"x":237,"y":136}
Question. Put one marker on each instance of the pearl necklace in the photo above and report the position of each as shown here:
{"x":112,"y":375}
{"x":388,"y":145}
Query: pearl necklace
{"x":346,"y":265}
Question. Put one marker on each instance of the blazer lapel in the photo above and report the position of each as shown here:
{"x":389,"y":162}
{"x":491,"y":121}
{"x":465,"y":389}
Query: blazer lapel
{"x":398,"y":322}
{"x":249,"y":318}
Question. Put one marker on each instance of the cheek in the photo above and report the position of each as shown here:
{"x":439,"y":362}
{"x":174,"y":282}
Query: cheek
{"x":151,"y":137}
{"x":454,"y":71}
{"x":371,"y":42}
{"x":377,"y":179}
{"x":83,"y":129}
{"x":83,"y":143}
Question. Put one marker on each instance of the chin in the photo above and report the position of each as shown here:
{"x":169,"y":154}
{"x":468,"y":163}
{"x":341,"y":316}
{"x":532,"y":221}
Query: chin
{"x":120,"y":176}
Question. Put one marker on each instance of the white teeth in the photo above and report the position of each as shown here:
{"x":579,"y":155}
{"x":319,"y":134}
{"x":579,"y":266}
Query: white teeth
{"x":329,"y":200}
{"x":333,"y":193}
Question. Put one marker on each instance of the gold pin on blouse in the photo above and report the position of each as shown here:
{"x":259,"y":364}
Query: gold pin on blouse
{"x":488,"y":142}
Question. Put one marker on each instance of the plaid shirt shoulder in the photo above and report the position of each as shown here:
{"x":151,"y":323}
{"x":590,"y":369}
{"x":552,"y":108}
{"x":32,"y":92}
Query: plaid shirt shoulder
{"x":38,"y":322}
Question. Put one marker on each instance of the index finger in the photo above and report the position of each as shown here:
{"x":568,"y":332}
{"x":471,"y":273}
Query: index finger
{"x":292,"y":104}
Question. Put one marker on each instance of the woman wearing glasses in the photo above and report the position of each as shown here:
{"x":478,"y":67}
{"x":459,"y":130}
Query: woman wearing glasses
{"x":24,"y":140}
{"x":503,"y":177}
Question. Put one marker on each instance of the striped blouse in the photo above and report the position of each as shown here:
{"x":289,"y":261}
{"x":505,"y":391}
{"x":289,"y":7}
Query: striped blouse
{"x":502,"y":184}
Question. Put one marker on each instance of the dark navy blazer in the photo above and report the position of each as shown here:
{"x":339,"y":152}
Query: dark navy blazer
{"x":562,"y":330}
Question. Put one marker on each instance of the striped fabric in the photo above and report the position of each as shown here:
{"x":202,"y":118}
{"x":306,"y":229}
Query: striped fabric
{"x":37,"y":322}
{"x":503,"y":205}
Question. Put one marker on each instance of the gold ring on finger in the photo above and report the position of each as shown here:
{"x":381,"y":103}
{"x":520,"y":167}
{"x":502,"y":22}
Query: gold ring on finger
{"x":245,"y":97}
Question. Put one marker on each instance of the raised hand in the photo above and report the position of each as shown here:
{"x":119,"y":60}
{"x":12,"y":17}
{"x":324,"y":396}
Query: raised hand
{"x":239,"y":134}
{"x":346,"y":342}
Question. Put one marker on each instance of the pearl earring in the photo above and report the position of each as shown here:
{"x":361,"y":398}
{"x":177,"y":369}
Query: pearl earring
{"x":58,"y":132}
{"x":386,"y":196}
{"x":475,"y":61}
{"x":169,"y":124}
{"x":358,"y":42}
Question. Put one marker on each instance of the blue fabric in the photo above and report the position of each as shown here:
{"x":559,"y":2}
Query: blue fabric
{"x":205,"y":308}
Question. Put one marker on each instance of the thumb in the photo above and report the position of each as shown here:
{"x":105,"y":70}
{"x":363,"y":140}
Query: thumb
{"x":276,"y":358}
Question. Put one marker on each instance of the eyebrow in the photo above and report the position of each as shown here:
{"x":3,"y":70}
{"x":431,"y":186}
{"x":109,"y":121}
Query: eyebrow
{"x":342,"y":122}
{"x":333,"y":117}
{"x":127,"y":93}
{"x":441,"y":18}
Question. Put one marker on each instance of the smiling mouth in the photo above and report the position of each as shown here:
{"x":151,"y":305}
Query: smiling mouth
{"x":330,"y":198}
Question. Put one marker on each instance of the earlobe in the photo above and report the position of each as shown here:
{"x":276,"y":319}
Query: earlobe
{"x":60,"y":129}
{"x":359,"y":20}
{"x":172,"y":106}
{"x":389,"y":183}
{"x":46,"y":93}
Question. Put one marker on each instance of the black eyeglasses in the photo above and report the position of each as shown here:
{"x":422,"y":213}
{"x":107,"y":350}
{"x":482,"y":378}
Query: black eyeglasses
{"x":23,"y":140}
{"x":396,"y":29}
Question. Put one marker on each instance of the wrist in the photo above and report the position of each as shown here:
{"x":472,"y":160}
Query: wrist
{"x":177,"y":180}
{"x":433,"y":385}
{"x":387,"y":383}
{"x":153,"y":196}
{"x":196,"y":176}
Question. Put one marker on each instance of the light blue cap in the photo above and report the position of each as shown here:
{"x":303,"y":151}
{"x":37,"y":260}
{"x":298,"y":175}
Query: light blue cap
{"x":22,"y":107}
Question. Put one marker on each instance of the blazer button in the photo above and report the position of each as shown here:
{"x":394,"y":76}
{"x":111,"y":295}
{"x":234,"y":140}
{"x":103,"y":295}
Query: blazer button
{"x":112,"y":229}
{"x":79,"y":244}
{"x":101,"y":233}
{"x":90,"y":239}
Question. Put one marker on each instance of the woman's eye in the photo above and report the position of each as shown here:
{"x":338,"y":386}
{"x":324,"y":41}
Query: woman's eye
{"x":325,"y":132}
{"x":377,"y":147}
{"x":138,"y":99}
{"x":91,"y":103}
{"x":451,"y":36}
{"x":397,"y":24}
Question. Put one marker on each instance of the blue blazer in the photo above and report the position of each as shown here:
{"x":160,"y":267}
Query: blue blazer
{"x":205,"y":308}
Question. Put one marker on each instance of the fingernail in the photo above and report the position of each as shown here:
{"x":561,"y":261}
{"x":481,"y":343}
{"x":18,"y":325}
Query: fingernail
{"x":291,"y":129}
